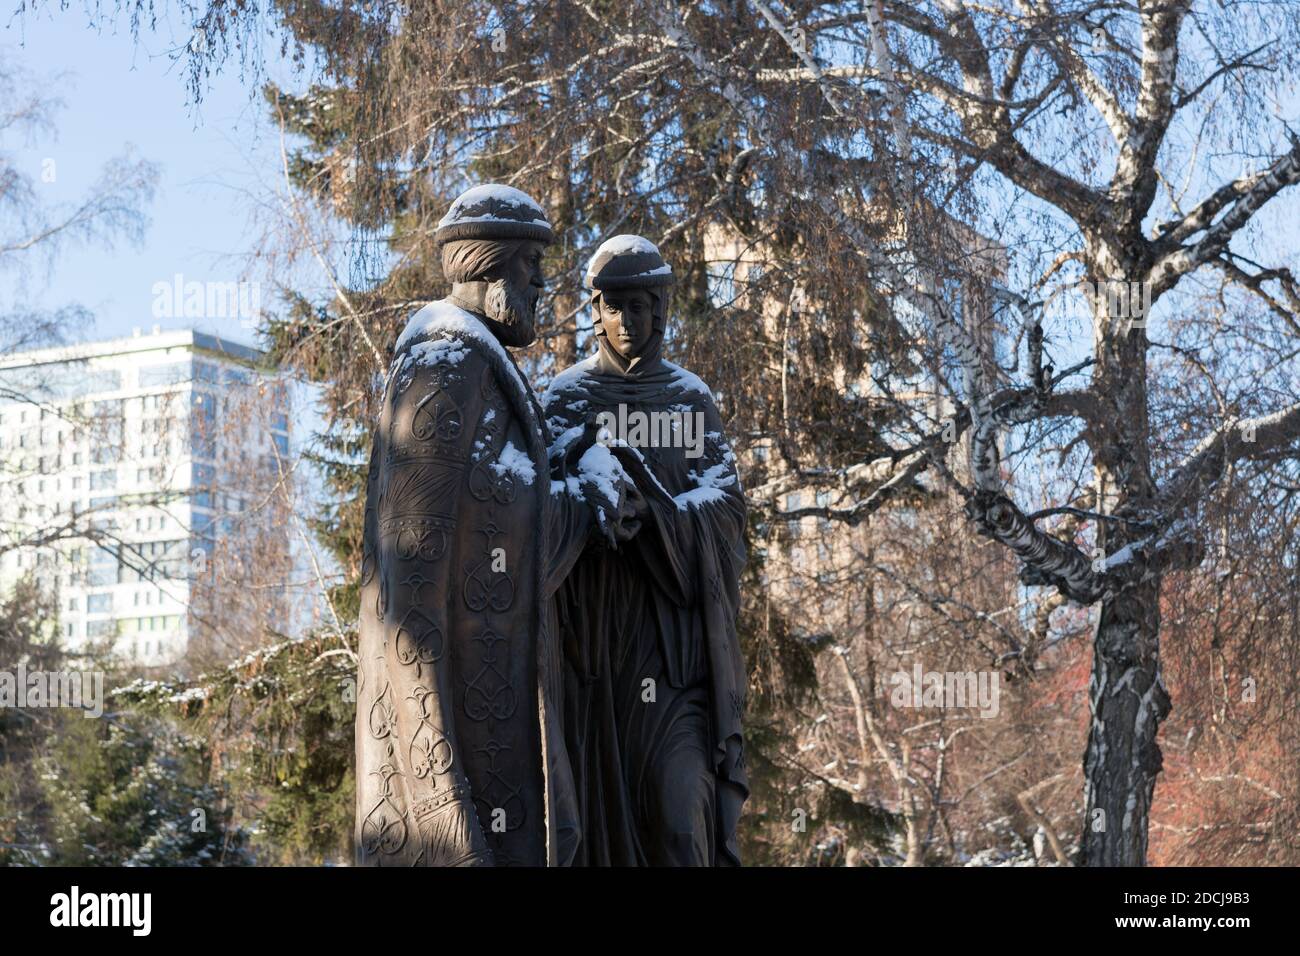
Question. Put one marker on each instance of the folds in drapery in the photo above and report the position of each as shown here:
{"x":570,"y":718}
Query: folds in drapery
{"x":661,"y":609}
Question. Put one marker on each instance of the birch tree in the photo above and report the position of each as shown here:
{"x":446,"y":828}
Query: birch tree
{"x":980,"y":86}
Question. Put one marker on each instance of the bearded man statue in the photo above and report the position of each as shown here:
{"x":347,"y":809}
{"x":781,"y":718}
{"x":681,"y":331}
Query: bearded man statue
{"x":460,"y":755}
{"x":654,"y":690}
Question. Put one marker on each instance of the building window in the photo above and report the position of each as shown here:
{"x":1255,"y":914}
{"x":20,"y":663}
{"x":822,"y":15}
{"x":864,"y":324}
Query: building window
{"x":171,"y":374}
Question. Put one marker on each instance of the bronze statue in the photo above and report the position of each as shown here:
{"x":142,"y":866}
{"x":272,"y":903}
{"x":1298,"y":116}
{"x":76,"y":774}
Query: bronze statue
{"x":460,"y":756}
{"x":654,"y":681}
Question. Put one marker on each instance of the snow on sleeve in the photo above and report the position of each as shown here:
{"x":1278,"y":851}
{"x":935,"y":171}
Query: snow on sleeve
{"x":724,"y":447}
{"x":709,"y":486}
{"x":600,"y":468}
{"x":516,"y":463}
{"x":564,"y":439}
{"x":620,"y":443}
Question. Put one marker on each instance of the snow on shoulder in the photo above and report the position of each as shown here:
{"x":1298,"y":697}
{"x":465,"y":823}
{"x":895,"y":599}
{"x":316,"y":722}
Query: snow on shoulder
{"x":688,"y":380}
{"x":442,"y":321}
{"x":446,"y":351}
{"x":569,"y":378}
{"x":572,"y":377}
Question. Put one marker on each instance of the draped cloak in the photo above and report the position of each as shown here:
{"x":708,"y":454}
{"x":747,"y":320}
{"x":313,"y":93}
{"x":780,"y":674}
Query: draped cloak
{"x":460,"y":755}
{"x":662,"y":608}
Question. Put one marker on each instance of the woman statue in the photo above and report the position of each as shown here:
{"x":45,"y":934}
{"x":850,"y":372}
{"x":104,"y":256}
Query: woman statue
{"x":654,"y":680}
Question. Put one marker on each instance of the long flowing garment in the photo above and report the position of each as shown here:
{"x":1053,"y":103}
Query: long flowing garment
{"x":460,"y":758}
{"x":654,"y":679}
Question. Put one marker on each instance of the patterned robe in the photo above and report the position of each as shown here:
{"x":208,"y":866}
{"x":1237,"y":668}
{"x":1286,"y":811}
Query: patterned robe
{"x":460,"y":758}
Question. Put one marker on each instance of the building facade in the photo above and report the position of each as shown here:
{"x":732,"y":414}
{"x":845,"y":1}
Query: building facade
{"x":131,"y":472}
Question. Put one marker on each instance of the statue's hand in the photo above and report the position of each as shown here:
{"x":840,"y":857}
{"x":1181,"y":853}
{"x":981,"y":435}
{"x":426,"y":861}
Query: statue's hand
{"x":609,"y":471}
{"x":639,"y":473}
{"x":618,"y":518}
{"x":632,"y":509}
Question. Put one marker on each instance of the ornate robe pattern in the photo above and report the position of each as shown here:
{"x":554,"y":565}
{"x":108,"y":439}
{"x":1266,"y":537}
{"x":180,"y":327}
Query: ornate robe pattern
{"x":460,"y":759}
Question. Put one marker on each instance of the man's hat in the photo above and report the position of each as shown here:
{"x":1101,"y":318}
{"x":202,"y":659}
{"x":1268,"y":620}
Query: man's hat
{"x":626,"y":262}
{"x":493,"y":211}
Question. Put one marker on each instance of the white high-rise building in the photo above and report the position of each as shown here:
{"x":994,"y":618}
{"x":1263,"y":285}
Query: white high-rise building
{"x":128,"y":468}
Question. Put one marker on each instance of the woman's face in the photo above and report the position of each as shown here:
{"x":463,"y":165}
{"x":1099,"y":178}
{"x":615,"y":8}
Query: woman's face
{"x":627,"y":319}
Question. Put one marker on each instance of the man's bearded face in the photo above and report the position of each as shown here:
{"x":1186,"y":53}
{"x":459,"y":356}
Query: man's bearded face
{"x":512,"y":297}
{"x":515,"y":309}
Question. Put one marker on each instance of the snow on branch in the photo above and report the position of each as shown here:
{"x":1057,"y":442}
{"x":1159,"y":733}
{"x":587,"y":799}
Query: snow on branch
{"x":1241,"y":198}
{"x":1242,"y":438}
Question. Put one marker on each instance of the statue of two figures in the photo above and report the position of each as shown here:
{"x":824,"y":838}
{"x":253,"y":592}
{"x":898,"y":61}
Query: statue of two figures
{"x":549,"y":670}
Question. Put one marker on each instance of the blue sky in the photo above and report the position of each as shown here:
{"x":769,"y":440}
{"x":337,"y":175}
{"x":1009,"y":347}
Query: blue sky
{"x":212,"y":157}
{"x":122,"y":94}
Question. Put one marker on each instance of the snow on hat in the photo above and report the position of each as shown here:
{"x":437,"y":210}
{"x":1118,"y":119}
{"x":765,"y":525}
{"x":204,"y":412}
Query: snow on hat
{"x":627,"y":262}
{"x":493,"y":211}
